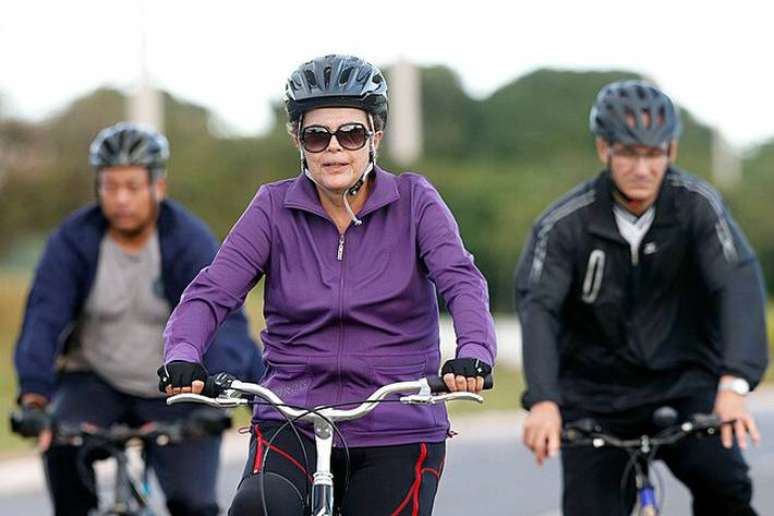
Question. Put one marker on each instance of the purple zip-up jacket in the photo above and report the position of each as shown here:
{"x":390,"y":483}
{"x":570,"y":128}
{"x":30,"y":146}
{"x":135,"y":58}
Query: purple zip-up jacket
{"x":345,"y":314}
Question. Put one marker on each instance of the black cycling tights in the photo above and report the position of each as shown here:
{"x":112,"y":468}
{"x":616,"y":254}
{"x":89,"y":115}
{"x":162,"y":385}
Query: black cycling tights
{"x":384,"y":480}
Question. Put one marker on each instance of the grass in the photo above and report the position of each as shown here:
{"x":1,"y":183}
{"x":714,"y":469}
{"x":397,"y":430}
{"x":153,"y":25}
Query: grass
{"x":504,"y":396}
{"x":13,"y":291}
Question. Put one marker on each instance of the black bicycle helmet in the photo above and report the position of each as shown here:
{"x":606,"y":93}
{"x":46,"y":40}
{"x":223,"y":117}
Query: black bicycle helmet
{"x":337,"y":80}
{"x":126,"y":144}
{"x":617,"y":114}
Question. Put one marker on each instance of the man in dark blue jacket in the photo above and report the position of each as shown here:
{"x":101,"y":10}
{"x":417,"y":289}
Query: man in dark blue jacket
{"x":92,"y":333}
{"x":637,"y":290}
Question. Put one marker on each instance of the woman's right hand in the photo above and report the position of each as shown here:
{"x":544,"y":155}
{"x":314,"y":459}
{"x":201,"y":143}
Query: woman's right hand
{"x":179,"y":377}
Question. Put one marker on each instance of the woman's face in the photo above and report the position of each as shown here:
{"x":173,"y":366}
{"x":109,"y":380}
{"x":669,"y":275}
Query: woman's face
{"x":336,"y":167}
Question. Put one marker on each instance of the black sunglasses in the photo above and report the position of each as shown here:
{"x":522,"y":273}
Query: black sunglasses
{"x":316,"y":138}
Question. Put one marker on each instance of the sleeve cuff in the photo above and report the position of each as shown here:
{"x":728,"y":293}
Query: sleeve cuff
{"x":35,"y":387}
{"x":476,"y":351}
{"x":182,"y":351}
{"x":528,"y":400}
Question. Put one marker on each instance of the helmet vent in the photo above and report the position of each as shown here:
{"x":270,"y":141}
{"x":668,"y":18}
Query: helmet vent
{"x":630,"y":117}
{"x":661,"y":118}
{"x":109,"y":146}
{"x":345,"y":75}
{"x":134,"y":146}
{"x":310,"y":78}
{"x":327,"y":76}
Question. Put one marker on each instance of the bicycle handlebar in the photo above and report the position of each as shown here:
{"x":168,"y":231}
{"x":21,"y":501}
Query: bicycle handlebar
{"x":29,"y":423}
{"x":223,"y":391}
{"x":586,"y":432}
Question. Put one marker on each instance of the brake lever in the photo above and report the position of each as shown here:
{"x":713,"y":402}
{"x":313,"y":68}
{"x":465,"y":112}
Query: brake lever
{"x":422,"y":399}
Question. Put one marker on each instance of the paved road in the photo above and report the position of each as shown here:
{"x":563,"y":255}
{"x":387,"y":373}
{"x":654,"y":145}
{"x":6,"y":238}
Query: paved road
{"x":488,"y":472}
{"x":515,"y":486}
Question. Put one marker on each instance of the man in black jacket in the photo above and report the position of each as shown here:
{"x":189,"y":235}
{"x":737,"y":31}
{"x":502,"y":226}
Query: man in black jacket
{"x":637,"y":290}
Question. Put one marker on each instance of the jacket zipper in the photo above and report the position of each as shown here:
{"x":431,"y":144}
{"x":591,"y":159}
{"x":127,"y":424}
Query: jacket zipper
{"x":340,"y":258}
{"x":340,"y":252}
{"x":634,"y":296}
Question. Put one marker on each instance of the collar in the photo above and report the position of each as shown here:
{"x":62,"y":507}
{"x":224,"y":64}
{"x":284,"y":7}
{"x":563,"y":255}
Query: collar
{"x":302,"y":194}
{"x":602,"y":220}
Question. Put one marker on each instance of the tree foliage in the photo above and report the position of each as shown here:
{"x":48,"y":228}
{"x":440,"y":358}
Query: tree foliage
{"x":498,"y":162}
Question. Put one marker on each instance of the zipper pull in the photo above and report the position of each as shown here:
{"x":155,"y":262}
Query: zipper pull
{"x":340,"y":253}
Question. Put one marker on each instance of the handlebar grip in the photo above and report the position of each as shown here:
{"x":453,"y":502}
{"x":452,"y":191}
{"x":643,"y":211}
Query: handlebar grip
{"x":27,"y":422}
{"x":706,"y":421}
{"x":438,"y":385}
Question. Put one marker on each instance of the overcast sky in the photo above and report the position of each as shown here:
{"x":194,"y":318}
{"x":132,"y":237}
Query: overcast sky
{"x":233,"y":56}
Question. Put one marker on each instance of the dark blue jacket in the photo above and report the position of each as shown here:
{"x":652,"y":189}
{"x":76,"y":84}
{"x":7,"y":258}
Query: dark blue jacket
{"x":65,"y":275}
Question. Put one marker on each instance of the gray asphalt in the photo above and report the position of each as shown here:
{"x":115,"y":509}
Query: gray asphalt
{"x":505,"y":479}
{"x":488,"y":472}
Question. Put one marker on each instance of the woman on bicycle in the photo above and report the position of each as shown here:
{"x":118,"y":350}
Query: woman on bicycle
{"x":352,"y":257}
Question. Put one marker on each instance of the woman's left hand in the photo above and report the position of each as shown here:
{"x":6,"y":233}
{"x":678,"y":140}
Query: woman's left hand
{"x":465,"y":374}
{"x":461,"y":383}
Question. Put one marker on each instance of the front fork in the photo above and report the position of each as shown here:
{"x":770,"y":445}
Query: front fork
{"x":322,"y":485}
{"x":646,"y":494}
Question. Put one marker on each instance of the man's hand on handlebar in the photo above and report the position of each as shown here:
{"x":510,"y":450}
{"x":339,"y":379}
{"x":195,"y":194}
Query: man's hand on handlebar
{"x":733,"y":407}
{"x":33,"y":408}
{"x":465,"y":374}
{"x":543,"y":430}
{"x":179,"y":377}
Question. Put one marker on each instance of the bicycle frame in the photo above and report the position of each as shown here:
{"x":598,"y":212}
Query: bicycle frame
{"x":131,"y":491}
{"x":130,"y":496}
{"x":322,"y":418}
{"x":646,"y":493}
{"x":127,"y":490}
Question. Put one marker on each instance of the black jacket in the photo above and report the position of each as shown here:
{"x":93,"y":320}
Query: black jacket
{"x":607,"y":329}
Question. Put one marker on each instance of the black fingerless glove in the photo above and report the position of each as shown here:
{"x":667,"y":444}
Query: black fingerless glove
{"x":467,"y":367}
{"x":180,"y":373}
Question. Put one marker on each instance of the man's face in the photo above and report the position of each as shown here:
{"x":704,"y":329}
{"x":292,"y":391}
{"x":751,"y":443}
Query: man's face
{"x":637,"y":170}
{"x":128,"y":198}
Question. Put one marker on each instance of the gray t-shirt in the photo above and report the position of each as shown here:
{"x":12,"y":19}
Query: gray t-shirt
{"x":119,"y":335}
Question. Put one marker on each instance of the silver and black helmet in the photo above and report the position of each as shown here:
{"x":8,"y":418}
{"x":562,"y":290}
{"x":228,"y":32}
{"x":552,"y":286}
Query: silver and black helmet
{"x":617,"y":115}
{"x":337,"y":81}
{"x":130,"y":144}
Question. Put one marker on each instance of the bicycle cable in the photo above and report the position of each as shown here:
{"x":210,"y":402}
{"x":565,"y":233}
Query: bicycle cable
{"x":292,"y":422}
{"x":265,"y":456}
